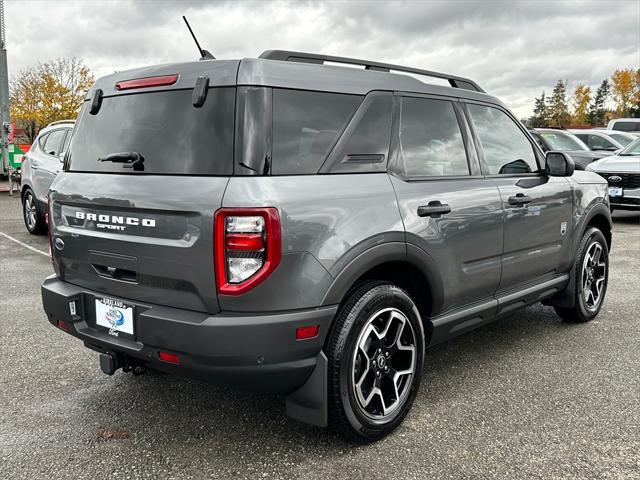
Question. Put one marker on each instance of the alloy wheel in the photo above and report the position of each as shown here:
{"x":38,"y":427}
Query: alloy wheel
{"x":384,"y":363}
{"x":30,"y":210}
{"x":594,"y":274}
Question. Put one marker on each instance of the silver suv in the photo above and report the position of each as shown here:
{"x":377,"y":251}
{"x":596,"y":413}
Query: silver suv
{"x":309,"y":229}
{"x":40,"y":166}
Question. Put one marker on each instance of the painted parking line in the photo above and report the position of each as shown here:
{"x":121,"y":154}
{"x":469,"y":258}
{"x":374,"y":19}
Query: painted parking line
{"x":24,"y":244}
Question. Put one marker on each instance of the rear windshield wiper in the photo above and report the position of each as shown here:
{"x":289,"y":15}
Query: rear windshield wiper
{"x":130,"y":159}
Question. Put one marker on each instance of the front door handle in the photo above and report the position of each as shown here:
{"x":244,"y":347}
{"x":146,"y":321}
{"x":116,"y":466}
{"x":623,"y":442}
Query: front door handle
{"x":434,"y":209}
{"x":519,"y":199}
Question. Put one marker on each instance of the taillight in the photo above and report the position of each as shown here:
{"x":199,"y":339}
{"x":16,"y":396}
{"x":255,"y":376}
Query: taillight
{"x":247,"y":247}
{"x":147,"y":82}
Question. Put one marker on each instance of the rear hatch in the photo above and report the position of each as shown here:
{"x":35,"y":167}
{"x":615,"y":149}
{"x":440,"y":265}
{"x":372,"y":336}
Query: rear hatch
{"x":142,"y":230}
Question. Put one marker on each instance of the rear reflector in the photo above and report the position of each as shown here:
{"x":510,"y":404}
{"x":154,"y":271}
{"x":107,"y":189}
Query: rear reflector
{"x":169,"y":357}
{"x":244,"y":241}
{"x":147,"y":82}
{"x":302,"y":333}
{"x":62,"y":325}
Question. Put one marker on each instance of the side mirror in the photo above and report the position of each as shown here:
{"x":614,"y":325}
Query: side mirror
{"x":559,"y":164}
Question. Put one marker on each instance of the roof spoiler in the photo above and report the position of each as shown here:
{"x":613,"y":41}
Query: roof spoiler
{"x":289,"y":56}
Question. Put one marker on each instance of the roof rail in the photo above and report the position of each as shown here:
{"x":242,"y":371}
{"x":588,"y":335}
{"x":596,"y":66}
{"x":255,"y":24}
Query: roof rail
{"x":288,"y":56}
{"x":59,"y":122}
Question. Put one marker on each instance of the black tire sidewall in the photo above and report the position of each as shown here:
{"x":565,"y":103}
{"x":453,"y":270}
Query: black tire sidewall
{"x":380,"y":297}
{"x":590,"y":236}
{"x":39,"y":225}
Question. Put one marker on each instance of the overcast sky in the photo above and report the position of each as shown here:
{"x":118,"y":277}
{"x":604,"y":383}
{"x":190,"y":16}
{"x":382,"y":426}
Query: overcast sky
{"x":514,"y":50}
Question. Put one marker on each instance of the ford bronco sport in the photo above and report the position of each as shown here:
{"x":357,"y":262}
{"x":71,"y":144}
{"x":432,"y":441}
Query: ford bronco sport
{"x":293,"y":226}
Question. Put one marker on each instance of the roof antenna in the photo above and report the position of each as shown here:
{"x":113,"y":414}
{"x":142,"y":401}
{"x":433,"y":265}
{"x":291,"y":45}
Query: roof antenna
{"x":204,"y":55}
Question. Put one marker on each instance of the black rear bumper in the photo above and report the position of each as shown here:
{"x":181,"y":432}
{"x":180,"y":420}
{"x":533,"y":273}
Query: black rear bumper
{"x":255,"y":351}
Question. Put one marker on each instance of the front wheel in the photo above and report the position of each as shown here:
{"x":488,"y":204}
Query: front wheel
{"x":591,"y":277}
{"x":375,"y":353}
{"x":34,"y":218}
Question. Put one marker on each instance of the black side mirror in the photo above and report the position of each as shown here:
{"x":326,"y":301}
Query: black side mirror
{"x":559,"y":164}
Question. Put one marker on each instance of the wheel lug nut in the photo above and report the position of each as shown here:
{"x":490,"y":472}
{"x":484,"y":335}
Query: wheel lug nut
{"x":377,"y":374}
{"x":386,"y":354}
{"x":386,"y":369}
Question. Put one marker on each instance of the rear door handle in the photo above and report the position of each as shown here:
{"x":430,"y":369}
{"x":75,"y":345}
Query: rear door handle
{"x":519,"y":199}
{"x":434,"y":209}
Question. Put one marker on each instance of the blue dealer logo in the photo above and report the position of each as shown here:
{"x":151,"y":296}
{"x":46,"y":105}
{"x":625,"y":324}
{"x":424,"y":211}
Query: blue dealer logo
{"x":114,"y":317}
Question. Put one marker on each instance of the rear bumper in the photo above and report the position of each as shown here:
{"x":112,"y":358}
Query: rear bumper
{"x":255,"y":351}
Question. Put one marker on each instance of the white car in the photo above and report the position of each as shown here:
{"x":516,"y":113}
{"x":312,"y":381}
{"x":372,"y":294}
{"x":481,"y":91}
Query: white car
{"x":40,"y":166}
{"x":622,"y":172}
{"x":603,"y":140}
{"x":629,"y":125}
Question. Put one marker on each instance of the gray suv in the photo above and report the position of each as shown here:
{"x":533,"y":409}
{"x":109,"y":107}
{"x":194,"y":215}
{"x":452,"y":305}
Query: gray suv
{"x":290,"y":226}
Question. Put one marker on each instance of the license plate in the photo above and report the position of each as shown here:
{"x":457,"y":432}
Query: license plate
{"x":615,"y":191}
{"x":114,"y":315}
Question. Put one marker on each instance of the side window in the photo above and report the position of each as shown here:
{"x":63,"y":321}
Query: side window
{"x":364,"y":146}
{"x":431,"y":142}
{"x":42,"y":140}
{"x":53,"y":143}
{"x":506,"y":148}
{"x":306,"y":125}
{"x":67,"y":140}
{"x":597,"y":142}
{"x":584,"y":137}
{"x":626,"y":126}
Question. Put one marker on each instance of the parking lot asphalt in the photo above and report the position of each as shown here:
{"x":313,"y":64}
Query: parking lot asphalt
{"x":527,"y":396}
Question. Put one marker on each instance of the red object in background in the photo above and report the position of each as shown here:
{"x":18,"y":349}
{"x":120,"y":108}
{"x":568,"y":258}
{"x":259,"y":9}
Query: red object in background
{"x":25,"y":147}
{"x":13,"y":128}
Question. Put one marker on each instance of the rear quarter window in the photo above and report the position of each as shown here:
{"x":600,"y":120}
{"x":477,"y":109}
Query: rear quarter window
{"x":173,"y":136}
{"x":306,"y":125}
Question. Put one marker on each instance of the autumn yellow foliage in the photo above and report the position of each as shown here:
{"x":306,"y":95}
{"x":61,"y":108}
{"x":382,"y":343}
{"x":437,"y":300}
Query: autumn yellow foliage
{"x":48,"y":92}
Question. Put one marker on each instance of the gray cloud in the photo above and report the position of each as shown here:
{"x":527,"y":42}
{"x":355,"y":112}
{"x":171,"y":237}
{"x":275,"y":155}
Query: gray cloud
{"x":513,"y":49}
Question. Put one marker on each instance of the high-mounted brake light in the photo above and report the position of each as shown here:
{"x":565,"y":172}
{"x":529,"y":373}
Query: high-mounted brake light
{"x":247,"y":247}
{"x":147,"y":82}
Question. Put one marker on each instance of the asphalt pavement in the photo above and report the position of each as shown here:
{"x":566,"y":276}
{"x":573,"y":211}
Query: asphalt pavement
{"x":527,"y":396}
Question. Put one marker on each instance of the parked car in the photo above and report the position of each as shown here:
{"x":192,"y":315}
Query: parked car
{"x":603,"y":140}
{"x":622,"y":138}
{"x":323,"y":226}
{"x":629,"y":125}
{"x":40,"y":165}
{"x":553,"y":139}
{"x":622,"y":172}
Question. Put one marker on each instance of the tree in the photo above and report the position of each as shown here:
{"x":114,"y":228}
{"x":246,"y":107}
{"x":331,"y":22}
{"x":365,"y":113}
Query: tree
{"x":49,"y":92}
{"x":581,"y":99}
{"x":558,"y":111}
{"x":597,"y":108}
{"x":539,"y":118}
{"x":624,"y":88}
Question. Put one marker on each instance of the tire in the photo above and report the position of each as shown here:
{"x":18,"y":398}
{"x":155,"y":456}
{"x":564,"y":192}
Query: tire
{"x":32,"y":214}
{"x":393,"y":364}
{"x":591,"y":274}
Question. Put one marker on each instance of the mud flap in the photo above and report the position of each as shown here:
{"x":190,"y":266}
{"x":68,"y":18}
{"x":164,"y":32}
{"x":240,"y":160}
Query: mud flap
{"x":567,"y":297}
{"x":308,"y":404}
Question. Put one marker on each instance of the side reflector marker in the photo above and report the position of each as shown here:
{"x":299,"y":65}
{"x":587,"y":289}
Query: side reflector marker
{"x":304,"y":333}
{"x":169,"y":357}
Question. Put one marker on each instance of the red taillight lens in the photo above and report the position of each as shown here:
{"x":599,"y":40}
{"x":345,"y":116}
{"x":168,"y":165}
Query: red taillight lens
{"x":247,"y":247}
{"x":169,"y":357}
{"x":147,"y":82}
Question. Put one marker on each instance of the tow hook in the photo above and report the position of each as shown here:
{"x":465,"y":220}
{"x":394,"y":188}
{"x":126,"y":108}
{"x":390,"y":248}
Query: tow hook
{"x":109,"y":363}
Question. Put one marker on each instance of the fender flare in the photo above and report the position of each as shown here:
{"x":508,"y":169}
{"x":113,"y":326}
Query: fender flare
{"x":379,"y":255}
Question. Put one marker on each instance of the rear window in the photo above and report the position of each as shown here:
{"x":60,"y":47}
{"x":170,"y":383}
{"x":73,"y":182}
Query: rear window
{"x":172,"y":135}
{"x":627,"y":126}
{"x":306,"y":125}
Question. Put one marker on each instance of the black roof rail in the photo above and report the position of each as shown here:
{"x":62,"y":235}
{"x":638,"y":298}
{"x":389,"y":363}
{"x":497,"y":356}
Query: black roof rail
{"x":289,"y":56}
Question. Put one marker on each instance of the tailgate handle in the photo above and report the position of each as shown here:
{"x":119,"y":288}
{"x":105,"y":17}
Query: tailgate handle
{"x":113,"y":265}
{"x":116,"y":273}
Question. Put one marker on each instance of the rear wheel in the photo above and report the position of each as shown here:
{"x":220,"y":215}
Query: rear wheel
{"x":591,"y":277}
{"x":375,"y":354}
{"x":33,"y":216}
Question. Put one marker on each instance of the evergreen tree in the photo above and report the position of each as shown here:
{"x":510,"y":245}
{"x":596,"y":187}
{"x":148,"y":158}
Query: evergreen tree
{"x":539,"y":118}
{"x":597,"y":107}
{"x":558,"y":110}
